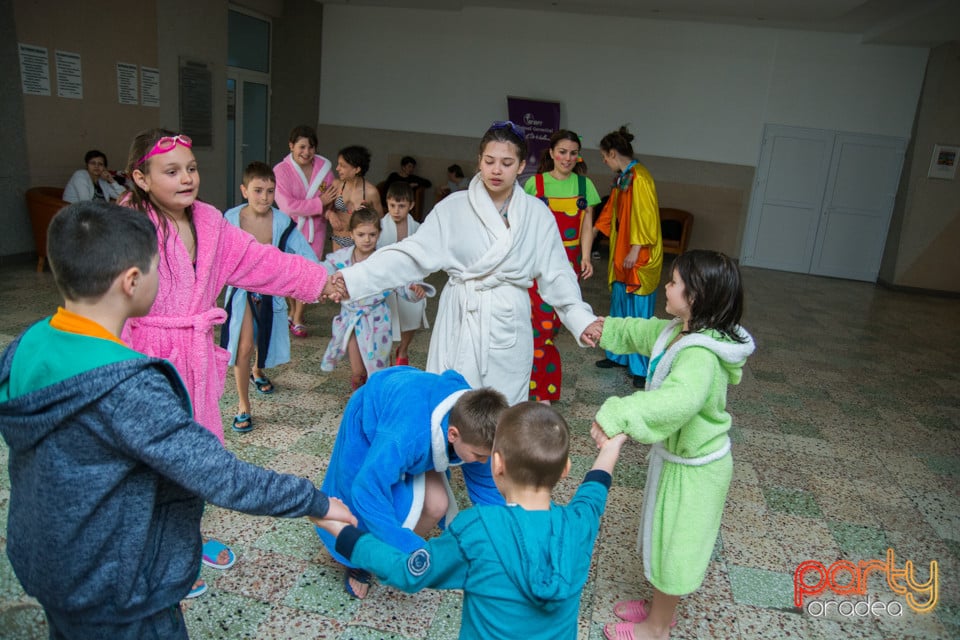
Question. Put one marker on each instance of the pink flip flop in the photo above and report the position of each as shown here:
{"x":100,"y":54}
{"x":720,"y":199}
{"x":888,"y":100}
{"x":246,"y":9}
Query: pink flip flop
{"x":618,"y":631}
{"x":635,"y":611}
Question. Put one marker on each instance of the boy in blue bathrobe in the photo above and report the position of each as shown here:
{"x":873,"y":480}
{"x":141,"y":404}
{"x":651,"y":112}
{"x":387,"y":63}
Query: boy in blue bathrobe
{"x":522,"y":565}
{"x":399,"y":435}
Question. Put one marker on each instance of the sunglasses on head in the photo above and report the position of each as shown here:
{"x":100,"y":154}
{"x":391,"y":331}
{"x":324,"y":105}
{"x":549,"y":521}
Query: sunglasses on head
{"x":509,"y":124}
{"x":165,"y":144}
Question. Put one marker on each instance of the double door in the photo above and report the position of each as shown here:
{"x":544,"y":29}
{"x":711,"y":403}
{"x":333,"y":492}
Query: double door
{"x":822,"y":202}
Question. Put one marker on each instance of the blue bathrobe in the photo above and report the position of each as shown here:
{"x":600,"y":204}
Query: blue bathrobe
{"x":270,"y":326}
{"x":393,"y":430}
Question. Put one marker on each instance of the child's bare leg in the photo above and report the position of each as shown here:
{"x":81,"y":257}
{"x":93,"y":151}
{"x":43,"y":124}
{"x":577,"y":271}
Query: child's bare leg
{"x":435,"y":503}
{"x":406,"y":337}
{"x":241,"y":369}
{"x":660,"y":615}
{"x":358,"y":372}
{"x":296,"y":310}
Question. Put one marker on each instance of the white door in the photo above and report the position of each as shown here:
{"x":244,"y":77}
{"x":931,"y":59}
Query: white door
{"x":864,"y":175}
{"x":787,"y":196}
{"x":822,"y":202}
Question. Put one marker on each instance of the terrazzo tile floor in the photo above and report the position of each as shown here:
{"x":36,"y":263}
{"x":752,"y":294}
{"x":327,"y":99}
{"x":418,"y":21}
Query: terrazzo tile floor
{"x":846,"y":444}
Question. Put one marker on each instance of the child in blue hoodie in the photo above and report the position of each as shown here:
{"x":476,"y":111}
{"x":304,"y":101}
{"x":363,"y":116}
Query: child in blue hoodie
{"x":108,"y":470}
{"x":522,"y":566}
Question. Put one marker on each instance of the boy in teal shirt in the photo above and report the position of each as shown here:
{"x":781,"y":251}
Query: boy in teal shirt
{"x":522,"y":566}
{"x":108,"y":470}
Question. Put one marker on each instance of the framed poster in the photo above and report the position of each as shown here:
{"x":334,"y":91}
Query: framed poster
{"x":943,"y":164}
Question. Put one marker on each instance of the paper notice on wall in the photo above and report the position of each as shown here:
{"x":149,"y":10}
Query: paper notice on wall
{"x":34,"y":70}
{"x":149,"y":87}
{"x":69,"y":75}
{"x":127,"y":83}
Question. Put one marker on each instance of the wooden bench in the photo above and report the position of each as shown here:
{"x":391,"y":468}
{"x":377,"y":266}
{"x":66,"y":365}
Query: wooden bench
{"x":43,"y":203}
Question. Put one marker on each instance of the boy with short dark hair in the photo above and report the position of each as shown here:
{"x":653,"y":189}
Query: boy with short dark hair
{"x":399,"y":435}
{"x":256,"y":323}
{"x":108,"y":470}
{"x":407,"y":315}
{"x":522,"y":566}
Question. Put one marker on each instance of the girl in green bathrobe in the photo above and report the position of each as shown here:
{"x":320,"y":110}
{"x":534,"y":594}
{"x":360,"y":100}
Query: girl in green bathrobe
{"x":682,"y":413}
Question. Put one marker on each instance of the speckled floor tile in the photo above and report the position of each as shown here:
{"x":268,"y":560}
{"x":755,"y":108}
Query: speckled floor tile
{"x":320,"y":590}
{"x":283,"y":623}
{"x":393,"y":611}
{"x":761,"y":588}
{"x":222,"y":615}
{"x":836,"y":454}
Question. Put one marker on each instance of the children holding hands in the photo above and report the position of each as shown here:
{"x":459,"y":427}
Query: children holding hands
{"x":683,"y":415}
{"x":522,"y":566}
{"x":107,"y":465}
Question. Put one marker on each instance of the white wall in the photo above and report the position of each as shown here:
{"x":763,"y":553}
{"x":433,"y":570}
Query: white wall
{"x":688,"y":90}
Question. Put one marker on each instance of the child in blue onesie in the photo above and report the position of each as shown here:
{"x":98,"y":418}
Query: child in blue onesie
{"x":522,"y":566}
{"x":399,"y":435}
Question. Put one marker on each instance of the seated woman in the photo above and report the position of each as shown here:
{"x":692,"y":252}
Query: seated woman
{"x":93,"y":183}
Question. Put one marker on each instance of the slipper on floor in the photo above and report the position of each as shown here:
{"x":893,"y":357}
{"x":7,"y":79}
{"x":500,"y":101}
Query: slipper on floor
{"x":242,"y":423}
{"x":197,"y":590}
{"x":263,"y":384}
{"x":211,"y":552}
{"x":635,"y":611}
{"x":298,"y":330}
{"x":361,"y":576}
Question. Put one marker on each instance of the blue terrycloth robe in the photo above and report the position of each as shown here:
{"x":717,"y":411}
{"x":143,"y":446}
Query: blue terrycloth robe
{"x":277,"y":350}
{"x":393,"y":429}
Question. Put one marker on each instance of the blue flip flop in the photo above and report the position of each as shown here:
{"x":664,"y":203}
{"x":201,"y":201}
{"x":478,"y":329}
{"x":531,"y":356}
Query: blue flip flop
{"x":211,"y":551}
{"x":197,"y":590}
{"x":361,"y":576}
{"x":263,"y":384}
{"x":242,"y":422}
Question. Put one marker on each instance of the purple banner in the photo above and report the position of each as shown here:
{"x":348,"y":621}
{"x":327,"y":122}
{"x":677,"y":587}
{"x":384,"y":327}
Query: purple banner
{"x":539,"y":119}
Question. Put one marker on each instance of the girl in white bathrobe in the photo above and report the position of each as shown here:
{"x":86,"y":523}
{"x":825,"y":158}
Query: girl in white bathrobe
{"x":493,"y":240}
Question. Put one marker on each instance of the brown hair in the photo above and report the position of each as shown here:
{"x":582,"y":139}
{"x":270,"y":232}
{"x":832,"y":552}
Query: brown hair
{"x":619,"y":141}
{"x":475,"y":415}
{"x":534,"y":442}
{"x":364,"y":215}
{"x":257,"y":169}
{"x":139,"y":199}
{"x":400,"y":191}
{"x":546,"y":162}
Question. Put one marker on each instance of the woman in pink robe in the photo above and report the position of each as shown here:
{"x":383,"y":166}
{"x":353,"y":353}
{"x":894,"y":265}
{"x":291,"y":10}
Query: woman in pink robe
{"x":305,"y":189}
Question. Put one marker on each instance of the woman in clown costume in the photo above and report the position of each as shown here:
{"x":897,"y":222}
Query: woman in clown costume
{"x":571,"y":196}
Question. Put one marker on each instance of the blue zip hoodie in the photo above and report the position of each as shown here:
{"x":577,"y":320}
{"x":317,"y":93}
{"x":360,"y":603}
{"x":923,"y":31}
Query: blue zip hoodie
{"x":109,"y":474}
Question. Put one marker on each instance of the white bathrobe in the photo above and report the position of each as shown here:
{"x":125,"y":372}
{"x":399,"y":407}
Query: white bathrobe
{"x":482,"y":327}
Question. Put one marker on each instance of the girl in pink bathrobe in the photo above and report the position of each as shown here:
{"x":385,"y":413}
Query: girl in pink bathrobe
{"x":200,"y":253}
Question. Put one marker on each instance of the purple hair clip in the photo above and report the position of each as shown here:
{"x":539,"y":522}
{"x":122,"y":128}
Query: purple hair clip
{"x":509,"y":124}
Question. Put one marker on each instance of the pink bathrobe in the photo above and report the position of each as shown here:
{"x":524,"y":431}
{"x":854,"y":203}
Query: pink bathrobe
{"x":296,"y":197}
{"x":180,"y":324}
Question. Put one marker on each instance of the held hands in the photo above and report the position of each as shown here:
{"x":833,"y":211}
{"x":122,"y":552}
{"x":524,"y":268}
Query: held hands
{"x":603,"y":442}
{"x":335,"y":289}
{"x":338,"y":516}
{"x":591,"y":335}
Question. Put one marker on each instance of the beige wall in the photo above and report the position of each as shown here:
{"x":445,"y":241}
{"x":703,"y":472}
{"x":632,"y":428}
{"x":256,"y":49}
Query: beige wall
{"x":60,"y":130}
{"x":924,"y":234}
{"x":198,"y":31}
